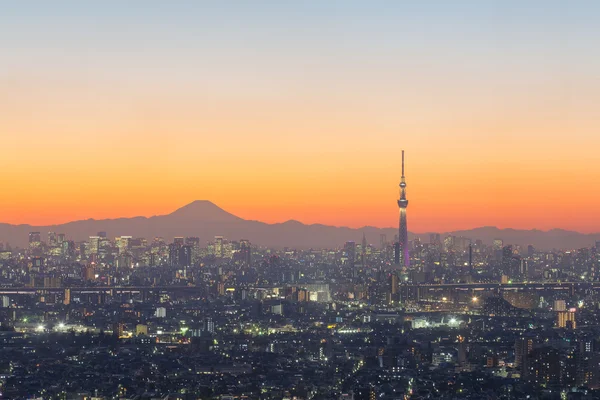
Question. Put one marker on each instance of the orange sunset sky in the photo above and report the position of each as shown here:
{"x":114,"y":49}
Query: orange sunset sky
{"x":283,"y":111}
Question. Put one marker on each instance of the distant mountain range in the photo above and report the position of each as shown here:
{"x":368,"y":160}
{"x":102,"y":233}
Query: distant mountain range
{"x":204,"y":219}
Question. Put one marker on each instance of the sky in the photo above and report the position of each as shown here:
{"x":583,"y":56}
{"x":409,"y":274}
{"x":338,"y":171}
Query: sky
{"x":278,"y":110}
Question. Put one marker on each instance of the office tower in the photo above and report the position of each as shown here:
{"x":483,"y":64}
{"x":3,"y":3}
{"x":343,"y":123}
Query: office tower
{"x":394,"y":284}
{"x":245,"y":252}
{"x":382,"y":241}
{"x":498,"y":244}
{"x":566,"y":319}
{"x":60,"y":238}
{"x":68,"y":248}
{"x":209,"y":325}
{"x":530,"y":251}
{"x":35,"y":240}
{"x":123,"y":243}
{"x":185,"y":256}
{"x":497,"y":249}
{"x":449,"y":243}
{"x":179,"y":241}
{"x":560,"y":305}
{"x":507,"y":259}
{"x":160,"y":312}
{"x":363,"y":251}
{"x":470,"y":258}
{"x":52,"y":239}
{"x":194,"y":243}
{"x":523,"y":346}
{"x":403,"y":256}
{"x":350,"y":253}
{"x":174,"y":255}
{"x":101,"y":234}
{"x":124,"y":260}
{"x":94,"y":245}
{"x":393,"y":292}
{"x":524,"y":268}
{"x":218,"y":246}
{"x":436,"y":240}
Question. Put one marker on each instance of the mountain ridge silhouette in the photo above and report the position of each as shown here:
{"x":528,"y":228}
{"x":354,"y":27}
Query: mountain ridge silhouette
{"x":205,"y":219}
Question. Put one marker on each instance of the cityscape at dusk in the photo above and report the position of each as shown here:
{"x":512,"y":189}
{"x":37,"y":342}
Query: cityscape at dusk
{"x":337,"y":200}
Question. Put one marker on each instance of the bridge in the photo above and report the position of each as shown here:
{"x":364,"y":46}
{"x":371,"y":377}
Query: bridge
{"x":499,"y":287}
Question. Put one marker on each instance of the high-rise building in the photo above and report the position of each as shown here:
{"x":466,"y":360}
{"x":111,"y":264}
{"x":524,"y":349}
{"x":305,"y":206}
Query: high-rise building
{"x":393,"y":296}
{"x":35,"y":240}
{"x":363,"y":251}
{"x":123,"y":243}
{"x":403,"y":254}
{"x":382,"y":241}
{"x":245,"y":252}
{"x":52,"y":239}
{"x":523,"y":346}
{"x":185,"y":256}
{"x":194,"y":243}
{"x":218,"y":246}
{"x":566,"y":319}
{"x":68,"y":248}
{"x":560,"y":305}
{"x":436,"y":240}
{"x":174,"y":255}
{"x":350,"y":253}
{"x":94,"y":245}
{"x":209,"y":325}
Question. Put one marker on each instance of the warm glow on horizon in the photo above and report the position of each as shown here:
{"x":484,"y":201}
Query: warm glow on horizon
{"x":302,"y":114}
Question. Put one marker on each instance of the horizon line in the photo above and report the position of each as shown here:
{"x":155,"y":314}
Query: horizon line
{"x":296,"y":220}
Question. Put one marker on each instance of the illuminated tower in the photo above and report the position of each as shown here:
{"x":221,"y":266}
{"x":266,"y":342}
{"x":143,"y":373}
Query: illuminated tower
{"x":403,"y":234}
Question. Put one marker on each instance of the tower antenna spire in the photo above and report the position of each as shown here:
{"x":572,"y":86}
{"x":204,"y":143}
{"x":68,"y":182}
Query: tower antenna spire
{"x":403,"y":163}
